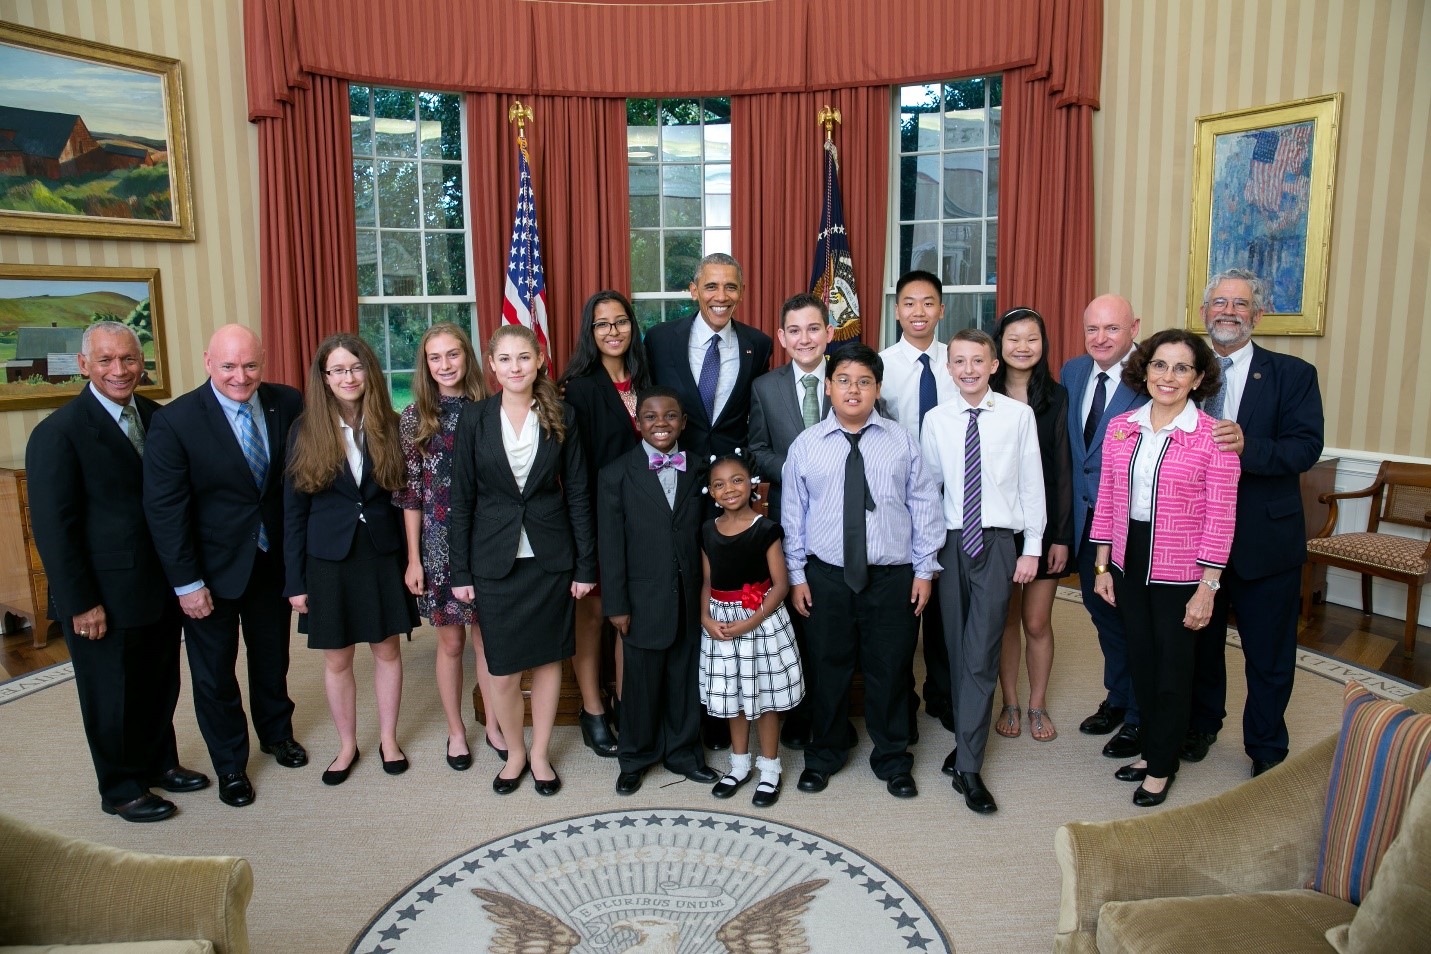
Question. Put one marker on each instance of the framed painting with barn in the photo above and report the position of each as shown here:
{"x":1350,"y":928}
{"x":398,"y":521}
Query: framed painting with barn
{"x":44,"y":310}
{"x":92,"y":140}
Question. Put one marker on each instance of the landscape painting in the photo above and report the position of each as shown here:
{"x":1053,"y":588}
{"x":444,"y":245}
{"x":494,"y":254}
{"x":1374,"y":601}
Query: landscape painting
{"x":44,"y":311}
{"x":91,"y":140}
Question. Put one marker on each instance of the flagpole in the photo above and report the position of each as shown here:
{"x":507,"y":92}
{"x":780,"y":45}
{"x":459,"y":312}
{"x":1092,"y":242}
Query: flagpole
{"x":828,"y":117}
{"x":832,"y":275}
{"x":524,"y":300}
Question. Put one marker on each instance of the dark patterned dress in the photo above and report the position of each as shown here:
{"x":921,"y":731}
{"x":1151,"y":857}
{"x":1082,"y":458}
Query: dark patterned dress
{"x":429,"y":489}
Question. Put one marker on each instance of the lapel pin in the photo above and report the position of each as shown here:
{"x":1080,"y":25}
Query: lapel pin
{"x":1257,"y":375}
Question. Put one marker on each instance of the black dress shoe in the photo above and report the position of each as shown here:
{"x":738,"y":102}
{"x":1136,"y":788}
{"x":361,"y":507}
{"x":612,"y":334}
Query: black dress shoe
{"x":948,"y":767}
{"x":976,"y":796}
{"x":236,"y":790}
{"x":397,"y":766}
{"x":1146,"y":799}
{"x":766,"y":794}
{"x":629,"y":783}
{"x":1196,"y":744}
{"x":461,"y":762}
{"x":716,"y":733}
{"x":703,"y":774}
{"x":729,"y":785}
{"x":547,"y":786}
{"x":1105,"y":720}
{"x":146,"y":808}
{"x":1262,"y":765}
{"x":596,"y":734}
{"x":813,"y":780}
{"x":332,"y":776}
{"x":180,"y":779}
{"x":1131,"y":773}
{"x":506,"y":786}
{"x":1125,"y":745}
{"x":902,"y":786}
{"x":286,"y":752}
{"x":501,"y":753}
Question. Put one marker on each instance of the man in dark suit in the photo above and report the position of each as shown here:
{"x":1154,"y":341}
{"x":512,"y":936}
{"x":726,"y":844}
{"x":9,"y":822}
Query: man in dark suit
{"x":1270,"y":414}
{"x":649,"y":520}
{"x":1096,"y":394}
{"x":107,"y":592}
{"x":711,"y":361}
{"x":213,"y":492}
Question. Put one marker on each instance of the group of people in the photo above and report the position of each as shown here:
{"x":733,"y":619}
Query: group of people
{"x":752,"y":537}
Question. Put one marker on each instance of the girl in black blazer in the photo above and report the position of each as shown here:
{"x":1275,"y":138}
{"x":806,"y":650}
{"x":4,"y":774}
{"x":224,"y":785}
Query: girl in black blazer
{"x":343,"y":539}
{"x":601,"y":384}
{"x":521,"y":543}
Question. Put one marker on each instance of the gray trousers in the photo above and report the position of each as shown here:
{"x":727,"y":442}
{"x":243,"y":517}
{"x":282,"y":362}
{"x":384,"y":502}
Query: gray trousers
{"x":974,"y":597}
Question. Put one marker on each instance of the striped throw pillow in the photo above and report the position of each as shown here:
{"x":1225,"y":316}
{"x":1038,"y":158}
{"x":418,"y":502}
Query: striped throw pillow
{"x":1383,"y":752}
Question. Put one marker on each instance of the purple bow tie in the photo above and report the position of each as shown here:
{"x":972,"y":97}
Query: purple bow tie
{"x":662,"y":461}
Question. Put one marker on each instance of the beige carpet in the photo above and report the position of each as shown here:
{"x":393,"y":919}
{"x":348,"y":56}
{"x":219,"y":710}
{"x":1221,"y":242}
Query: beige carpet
{"x":326,"y":860}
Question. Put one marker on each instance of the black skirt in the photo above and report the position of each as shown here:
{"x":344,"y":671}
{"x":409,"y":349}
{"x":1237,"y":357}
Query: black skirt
{"x":526,"y":618}
{"x":358,"y":599}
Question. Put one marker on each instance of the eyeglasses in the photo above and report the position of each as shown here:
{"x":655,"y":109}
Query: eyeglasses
{"x":1159,"y":366}
{"x":603,"y":327}
{"x":1240,"y":305}
{"x":846,"y":383}
{"x":356,"y":371}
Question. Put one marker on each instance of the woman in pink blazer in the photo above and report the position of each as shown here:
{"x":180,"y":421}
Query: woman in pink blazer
{"x":1167,"y":502}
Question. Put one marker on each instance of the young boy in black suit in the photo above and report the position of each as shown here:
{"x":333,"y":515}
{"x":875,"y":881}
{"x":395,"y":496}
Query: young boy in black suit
{"x":649,"y":515}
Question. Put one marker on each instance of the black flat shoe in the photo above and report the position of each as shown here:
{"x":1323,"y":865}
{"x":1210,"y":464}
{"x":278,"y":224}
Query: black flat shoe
{"x":180,"y":779}
{"x":1146,"y":799}
{"x":506,"y":786}
{"x":766,"y":794}
{"x":1125,"y":745}
{"x":596,"y":734}
{"x":1130,"y":773}
{"x":813,"y":780}
{"x":729,"y":785}
{"x":629,"y":783}
{"x":146,"y":808}
{"x":976,"y":795}
{"x":702,"y":774}
{"x":236,"y":790}
{"x":332,"y":776}
{"x":501,"y":753}
{"x":461,"y":762}
{"x":286,"y":752}
{"x":547,"y":786}
{"x":397,"y":766}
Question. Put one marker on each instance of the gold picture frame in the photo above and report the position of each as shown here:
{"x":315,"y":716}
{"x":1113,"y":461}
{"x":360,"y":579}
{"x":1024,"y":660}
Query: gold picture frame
{"x":1263,"y":184}
{"x":44,"y":310}
{"x":93,"y":142}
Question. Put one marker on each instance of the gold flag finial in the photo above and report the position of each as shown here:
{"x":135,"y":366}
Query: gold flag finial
{"x":827,"y":118}
{"x":520,"y":115}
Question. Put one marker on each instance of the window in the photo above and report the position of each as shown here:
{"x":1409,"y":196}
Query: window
{"x":413,"y":260}
{"x":946,"y":196}
{"x":678,"y":154}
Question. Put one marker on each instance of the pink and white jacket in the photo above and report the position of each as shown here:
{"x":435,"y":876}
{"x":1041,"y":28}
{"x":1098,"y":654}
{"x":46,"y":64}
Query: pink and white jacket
{"x":1194,"y":500}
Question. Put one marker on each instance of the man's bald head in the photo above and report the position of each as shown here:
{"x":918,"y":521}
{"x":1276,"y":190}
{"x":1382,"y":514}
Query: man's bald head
{"x":235,"y":362}
{"x":1109,"y":328}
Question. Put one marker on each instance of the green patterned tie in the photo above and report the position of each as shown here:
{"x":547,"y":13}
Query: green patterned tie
{"x":132,"y":427}
{"x":810,"y":403}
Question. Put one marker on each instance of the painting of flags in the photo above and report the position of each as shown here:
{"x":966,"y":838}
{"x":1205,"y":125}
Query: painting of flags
{"x":1278,"y":165}
{"x":832,"y":276}
{"x":525,"y":300}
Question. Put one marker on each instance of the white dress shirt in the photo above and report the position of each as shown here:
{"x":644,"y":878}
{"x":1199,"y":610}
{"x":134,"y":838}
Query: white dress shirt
{"x":1143,"y":481}
{"x":1115,"y":378}
{"x":115,"y":410}
{"x":701,"y":335}
{"x":902,"y":369}
{"x":1011,"y":468}
{"x":352,"y":445}
{"x":1234,"y":381}
{"x":521,"y":448}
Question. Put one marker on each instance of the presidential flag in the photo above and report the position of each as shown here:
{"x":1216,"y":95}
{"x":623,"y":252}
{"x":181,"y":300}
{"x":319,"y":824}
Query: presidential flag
{"x":525,"y":302}
{"x":832,"y":277}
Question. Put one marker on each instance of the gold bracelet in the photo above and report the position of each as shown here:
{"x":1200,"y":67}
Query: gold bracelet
{"x":1099,"y":569}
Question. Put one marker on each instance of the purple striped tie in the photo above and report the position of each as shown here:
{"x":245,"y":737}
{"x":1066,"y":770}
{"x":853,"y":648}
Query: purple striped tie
{"x":972,"y":535}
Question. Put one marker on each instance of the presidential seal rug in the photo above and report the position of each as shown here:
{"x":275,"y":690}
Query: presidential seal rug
{"x":660,"y":881}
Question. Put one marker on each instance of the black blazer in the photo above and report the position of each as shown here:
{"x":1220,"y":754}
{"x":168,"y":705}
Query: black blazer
{"x":668,"y":347}
{"x":323,"y":524}
{"x":86,"y":493}
{"x":1052,"y":426}
{"x":203,"y":506}
{"x":776,"y":420}
{"x":650,"y":552}
{"x":488,"y":512}
{"x":603,"y":424}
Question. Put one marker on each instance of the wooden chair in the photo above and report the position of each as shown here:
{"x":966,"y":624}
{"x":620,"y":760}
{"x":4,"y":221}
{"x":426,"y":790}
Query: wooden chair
{"x":1401,"y":494}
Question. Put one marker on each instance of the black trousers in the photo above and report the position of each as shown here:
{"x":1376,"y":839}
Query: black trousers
{"x":128,"y":684}
{"x":1160,"y":651}
{"x":661,"y":704}
{"x":263,"y":617}
{"x":1112,"y":635}
{"x":876,"y":629}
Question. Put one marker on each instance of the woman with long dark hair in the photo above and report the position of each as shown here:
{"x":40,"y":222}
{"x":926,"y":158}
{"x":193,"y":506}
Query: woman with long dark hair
{"x":600,"y":385}
{"x":1023,"y":374}
{"x":343,"y":539}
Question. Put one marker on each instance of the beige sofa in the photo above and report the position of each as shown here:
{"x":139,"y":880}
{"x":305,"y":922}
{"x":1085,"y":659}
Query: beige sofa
{"x":1226,"y":874}
{"x":64,"y":894}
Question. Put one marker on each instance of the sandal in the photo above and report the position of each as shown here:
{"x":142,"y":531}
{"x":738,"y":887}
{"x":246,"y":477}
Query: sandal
{"x":1041,"y":726}
{"x":1008,"y":724}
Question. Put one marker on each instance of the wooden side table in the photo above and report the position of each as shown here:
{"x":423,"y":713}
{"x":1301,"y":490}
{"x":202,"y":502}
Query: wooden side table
{"x":24,"y":590}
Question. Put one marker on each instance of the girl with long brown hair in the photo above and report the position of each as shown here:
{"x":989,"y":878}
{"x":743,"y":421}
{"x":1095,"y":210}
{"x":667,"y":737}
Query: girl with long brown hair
{"x":343,"y":541}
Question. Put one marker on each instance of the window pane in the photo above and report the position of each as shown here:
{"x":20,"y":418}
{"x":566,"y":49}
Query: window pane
{"x":718,"y":178}
{"x":676,"y":309}
{"x":717,"y":136}
{"x":919,"y":118}
{"x":363,"y":198}
{"x":360,"y":121}
{"x":401,"y":263}
{"x":964,"y":94}
{"x":717,"y":240}
{"x":641,"y":112}
{"x":964,"y":128}
{"x":717,"y":211}
{"x":991,"y":253}
{"x":445,"y":110}
{"x":400,"y":390}
{"x":681,"y":112}
{"x":446,"y":264}
{"x":396,"y":127}
{"x":683,"y":253}
{"x":680,"y":143}
{"x":963,"y":184}
{"x":641,"y":143}
{"x":993,"y":184}
{"x":963,"y":253}
{"x":996,"y":109}
{"x":459,"y":313}
{"x":397,"y":188}
{"x":919,"y":247}
{"x":645,"y":207}
{"x":648,"y":313}
{"x":919,"y":187}
{"x":373,"y":330}
{"x":367,"y":263}
{"x":359,"y":100}
{"x":645,"y":261}
{"x":681,"y":195}
{"x":406,"y":324}
{"x":441,"y":196}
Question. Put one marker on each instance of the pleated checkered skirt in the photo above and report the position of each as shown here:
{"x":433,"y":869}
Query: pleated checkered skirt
{"x":751,"y":674}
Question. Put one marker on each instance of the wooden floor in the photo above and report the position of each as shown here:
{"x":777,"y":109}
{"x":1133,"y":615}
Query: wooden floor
{"x":1373,"y":642}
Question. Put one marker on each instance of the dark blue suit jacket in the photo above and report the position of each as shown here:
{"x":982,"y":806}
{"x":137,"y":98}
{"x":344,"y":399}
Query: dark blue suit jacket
{"x":1088,"y":462}
{"x":668,"y":347}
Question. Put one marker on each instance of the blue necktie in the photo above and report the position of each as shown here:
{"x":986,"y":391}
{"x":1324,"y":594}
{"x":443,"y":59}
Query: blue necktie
{"x":257,"y":458}
{"x":1095,"y":410}
{"x":972,"y":535}
{"x":928,"y":390}
{"x":710,"y":376}
{"x":1214,"y":404}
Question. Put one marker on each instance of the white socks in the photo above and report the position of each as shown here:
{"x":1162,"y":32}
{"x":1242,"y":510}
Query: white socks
{"x":769,"y":770}
{"x":739,"y":767}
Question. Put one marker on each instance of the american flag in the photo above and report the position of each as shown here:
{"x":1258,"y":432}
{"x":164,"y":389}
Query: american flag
{"x":525,"y":301}
{"x":1277,"y":153}
{"x":832,"y":276}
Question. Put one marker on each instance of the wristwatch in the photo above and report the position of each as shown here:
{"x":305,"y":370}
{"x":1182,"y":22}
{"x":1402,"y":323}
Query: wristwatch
{"x":1213,"y":585}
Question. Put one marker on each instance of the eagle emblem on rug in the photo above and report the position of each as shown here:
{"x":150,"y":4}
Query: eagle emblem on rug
{"x":769,"y":926}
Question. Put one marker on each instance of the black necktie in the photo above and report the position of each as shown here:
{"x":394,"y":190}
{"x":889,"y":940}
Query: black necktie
{"x":857,"y":500}
{"x":1095,"y":412}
